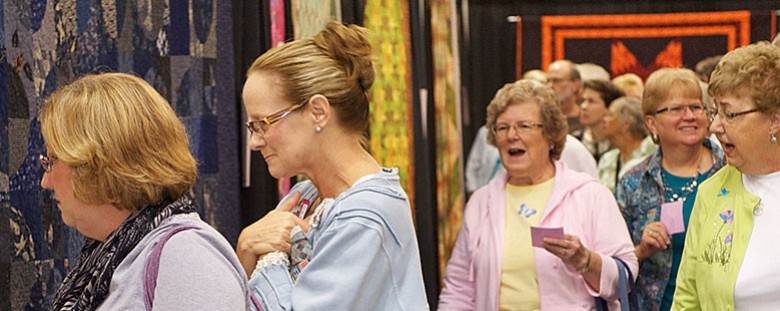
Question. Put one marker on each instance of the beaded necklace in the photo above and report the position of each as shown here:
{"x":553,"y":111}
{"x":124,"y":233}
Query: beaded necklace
{"x":684,"y":190}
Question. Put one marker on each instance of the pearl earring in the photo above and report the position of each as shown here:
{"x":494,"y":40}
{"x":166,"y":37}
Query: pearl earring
{"x":772,"y":138}
{"x":318,"y":129}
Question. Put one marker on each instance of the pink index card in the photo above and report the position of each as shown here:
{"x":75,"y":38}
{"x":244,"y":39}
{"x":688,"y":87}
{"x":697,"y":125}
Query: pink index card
{"x":539,"y":233}
{"x":672,"y":217}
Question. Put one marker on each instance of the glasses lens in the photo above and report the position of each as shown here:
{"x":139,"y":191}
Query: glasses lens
{"x":255,"y":127}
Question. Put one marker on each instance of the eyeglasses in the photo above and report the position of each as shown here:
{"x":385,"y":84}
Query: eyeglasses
{"x":261,"y":126}
{"x":677,"y":111}
{"x":522,"y":127}
{"x":46,"y":162}
{"x":728,"y":117}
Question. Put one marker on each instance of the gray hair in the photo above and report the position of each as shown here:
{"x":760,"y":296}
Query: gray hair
{"x":629,"y":110}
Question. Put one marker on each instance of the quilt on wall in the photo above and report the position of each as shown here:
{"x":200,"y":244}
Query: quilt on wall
{"x":46,"y":44}
{"x":309,"y":17}
{"x":637,"y":43}
{"x":446,"y":102}
{"x":390,"y":123}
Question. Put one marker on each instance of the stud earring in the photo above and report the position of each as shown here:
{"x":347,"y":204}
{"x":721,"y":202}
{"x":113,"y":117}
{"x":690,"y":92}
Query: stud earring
{"x":772,"y":138}
{"x":318,"y":129}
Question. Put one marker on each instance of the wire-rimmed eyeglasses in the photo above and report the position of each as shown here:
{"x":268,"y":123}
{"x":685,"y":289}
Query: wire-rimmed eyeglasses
{"x":728,"y":117}
{"x":679,"y":110}
{"x":502,"y":129}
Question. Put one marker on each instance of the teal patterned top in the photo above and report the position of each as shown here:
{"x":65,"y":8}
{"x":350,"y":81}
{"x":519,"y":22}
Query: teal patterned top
{"x":640,"y":193}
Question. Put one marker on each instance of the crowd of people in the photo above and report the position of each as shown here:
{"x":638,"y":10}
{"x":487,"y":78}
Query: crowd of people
{"x":687,"y":159}
{"x":576,"y":183}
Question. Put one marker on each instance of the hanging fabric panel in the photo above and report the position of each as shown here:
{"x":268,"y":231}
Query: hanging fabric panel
{"x":390,"y":125}
{"x":446,"y":98}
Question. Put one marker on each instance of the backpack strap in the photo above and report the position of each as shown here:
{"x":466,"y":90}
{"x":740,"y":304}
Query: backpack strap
{"x":152,"y":267}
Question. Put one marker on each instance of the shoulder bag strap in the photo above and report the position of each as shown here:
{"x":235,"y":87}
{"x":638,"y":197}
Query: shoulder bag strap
{"x":152,"y":267}
{"x":622,"y":284}
{"x":633,"y":303}
{"x":628,"y":300}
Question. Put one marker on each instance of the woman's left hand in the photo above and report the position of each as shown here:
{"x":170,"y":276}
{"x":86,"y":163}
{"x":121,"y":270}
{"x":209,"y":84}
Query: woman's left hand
{"x":270,"y":233}
{"x":569,"y":250}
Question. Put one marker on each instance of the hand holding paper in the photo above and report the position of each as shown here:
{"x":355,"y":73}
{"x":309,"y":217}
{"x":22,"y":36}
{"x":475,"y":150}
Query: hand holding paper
{"x":672,"y":217}
{"x":539,"y":233}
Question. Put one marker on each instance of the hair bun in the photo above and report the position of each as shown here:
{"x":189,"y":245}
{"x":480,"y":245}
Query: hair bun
{"x":350,"y":47}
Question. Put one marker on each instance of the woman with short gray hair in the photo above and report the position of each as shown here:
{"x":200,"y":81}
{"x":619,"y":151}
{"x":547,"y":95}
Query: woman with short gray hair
{"x":624,"y":127}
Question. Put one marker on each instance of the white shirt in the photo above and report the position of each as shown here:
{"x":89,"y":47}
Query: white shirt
{"x":758,"y":280}
{"x":578,"y":158}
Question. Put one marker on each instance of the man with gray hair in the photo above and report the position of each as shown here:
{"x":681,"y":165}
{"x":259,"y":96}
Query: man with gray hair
{"x":564,"y":78}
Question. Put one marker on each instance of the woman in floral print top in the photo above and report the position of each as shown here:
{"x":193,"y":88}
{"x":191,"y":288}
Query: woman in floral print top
{"x":668,"y":179}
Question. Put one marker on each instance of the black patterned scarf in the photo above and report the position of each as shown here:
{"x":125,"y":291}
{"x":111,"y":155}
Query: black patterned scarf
{"x":86,"y":286}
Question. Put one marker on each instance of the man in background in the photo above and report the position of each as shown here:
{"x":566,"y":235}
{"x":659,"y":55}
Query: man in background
{"x":565,"y":80}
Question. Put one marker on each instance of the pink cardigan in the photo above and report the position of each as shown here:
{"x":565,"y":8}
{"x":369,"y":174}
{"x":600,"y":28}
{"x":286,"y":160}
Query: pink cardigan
{"x":578,"y":203}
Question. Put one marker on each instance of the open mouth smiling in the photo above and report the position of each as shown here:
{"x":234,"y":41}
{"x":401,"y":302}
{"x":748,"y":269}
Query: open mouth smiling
{"x":516,"y":151}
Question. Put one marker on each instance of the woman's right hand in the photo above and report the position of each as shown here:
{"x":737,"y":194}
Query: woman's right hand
{"x":654,"y":238}
{"x":270,"y":233}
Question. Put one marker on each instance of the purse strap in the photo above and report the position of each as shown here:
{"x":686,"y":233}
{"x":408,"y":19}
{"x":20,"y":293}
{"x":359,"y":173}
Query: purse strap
{"x":628,"y":299}
{"x":152,"y":269}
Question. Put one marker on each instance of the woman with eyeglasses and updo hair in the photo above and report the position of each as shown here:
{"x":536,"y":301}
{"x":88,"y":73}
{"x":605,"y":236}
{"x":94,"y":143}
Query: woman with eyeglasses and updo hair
{"x":668,"y":179}
{"x":730,"y":256}
{"x":344,"y":238}
{"x":494,"y":265}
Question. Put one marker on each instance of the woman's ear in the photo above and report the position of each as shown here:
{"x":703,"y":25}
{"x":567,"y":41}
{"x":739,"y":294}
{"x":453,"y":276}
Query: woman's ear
{"x":650,"y":124}
{"x":774,"y":122}
{"x":626,"y":126}
{"x":320,"y":110}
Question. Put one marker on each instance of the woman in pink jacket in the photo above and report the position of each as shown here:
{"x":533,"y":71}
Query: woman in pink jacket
{"x":494,"y":265}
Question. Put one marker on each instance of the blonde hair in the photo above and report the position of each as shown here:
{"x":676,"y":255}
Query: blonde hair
{"x":336,"y":63}
{"x":753,"y":70}
{"x":591,"y":71}
{"x":122,"y":140}
{"x":554,"y":124}
{"x":629,"y":82}
{"x":535,"y":74}
{"x":663,"y":82}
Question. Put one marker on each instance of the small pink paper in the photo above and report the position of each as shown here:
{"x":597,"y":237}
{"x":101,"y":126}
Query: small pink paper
{"x":539,"y":233}
{"x":672,"y":217}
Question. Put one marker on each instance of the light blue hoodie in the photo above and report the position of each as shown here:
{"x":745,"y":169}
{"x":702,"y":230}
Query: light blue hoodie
{"x":365,"y":254}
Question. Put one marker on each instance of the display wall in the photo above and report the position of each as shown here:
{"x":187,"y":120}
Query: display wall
{"x":183,"y":48}
{"x":457,"y":52}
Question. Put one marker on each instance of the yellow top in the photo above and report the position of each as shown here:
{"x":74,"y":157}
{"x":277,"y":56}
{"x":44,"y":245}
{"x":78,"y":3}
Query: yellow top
{"x":524,"y":208}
